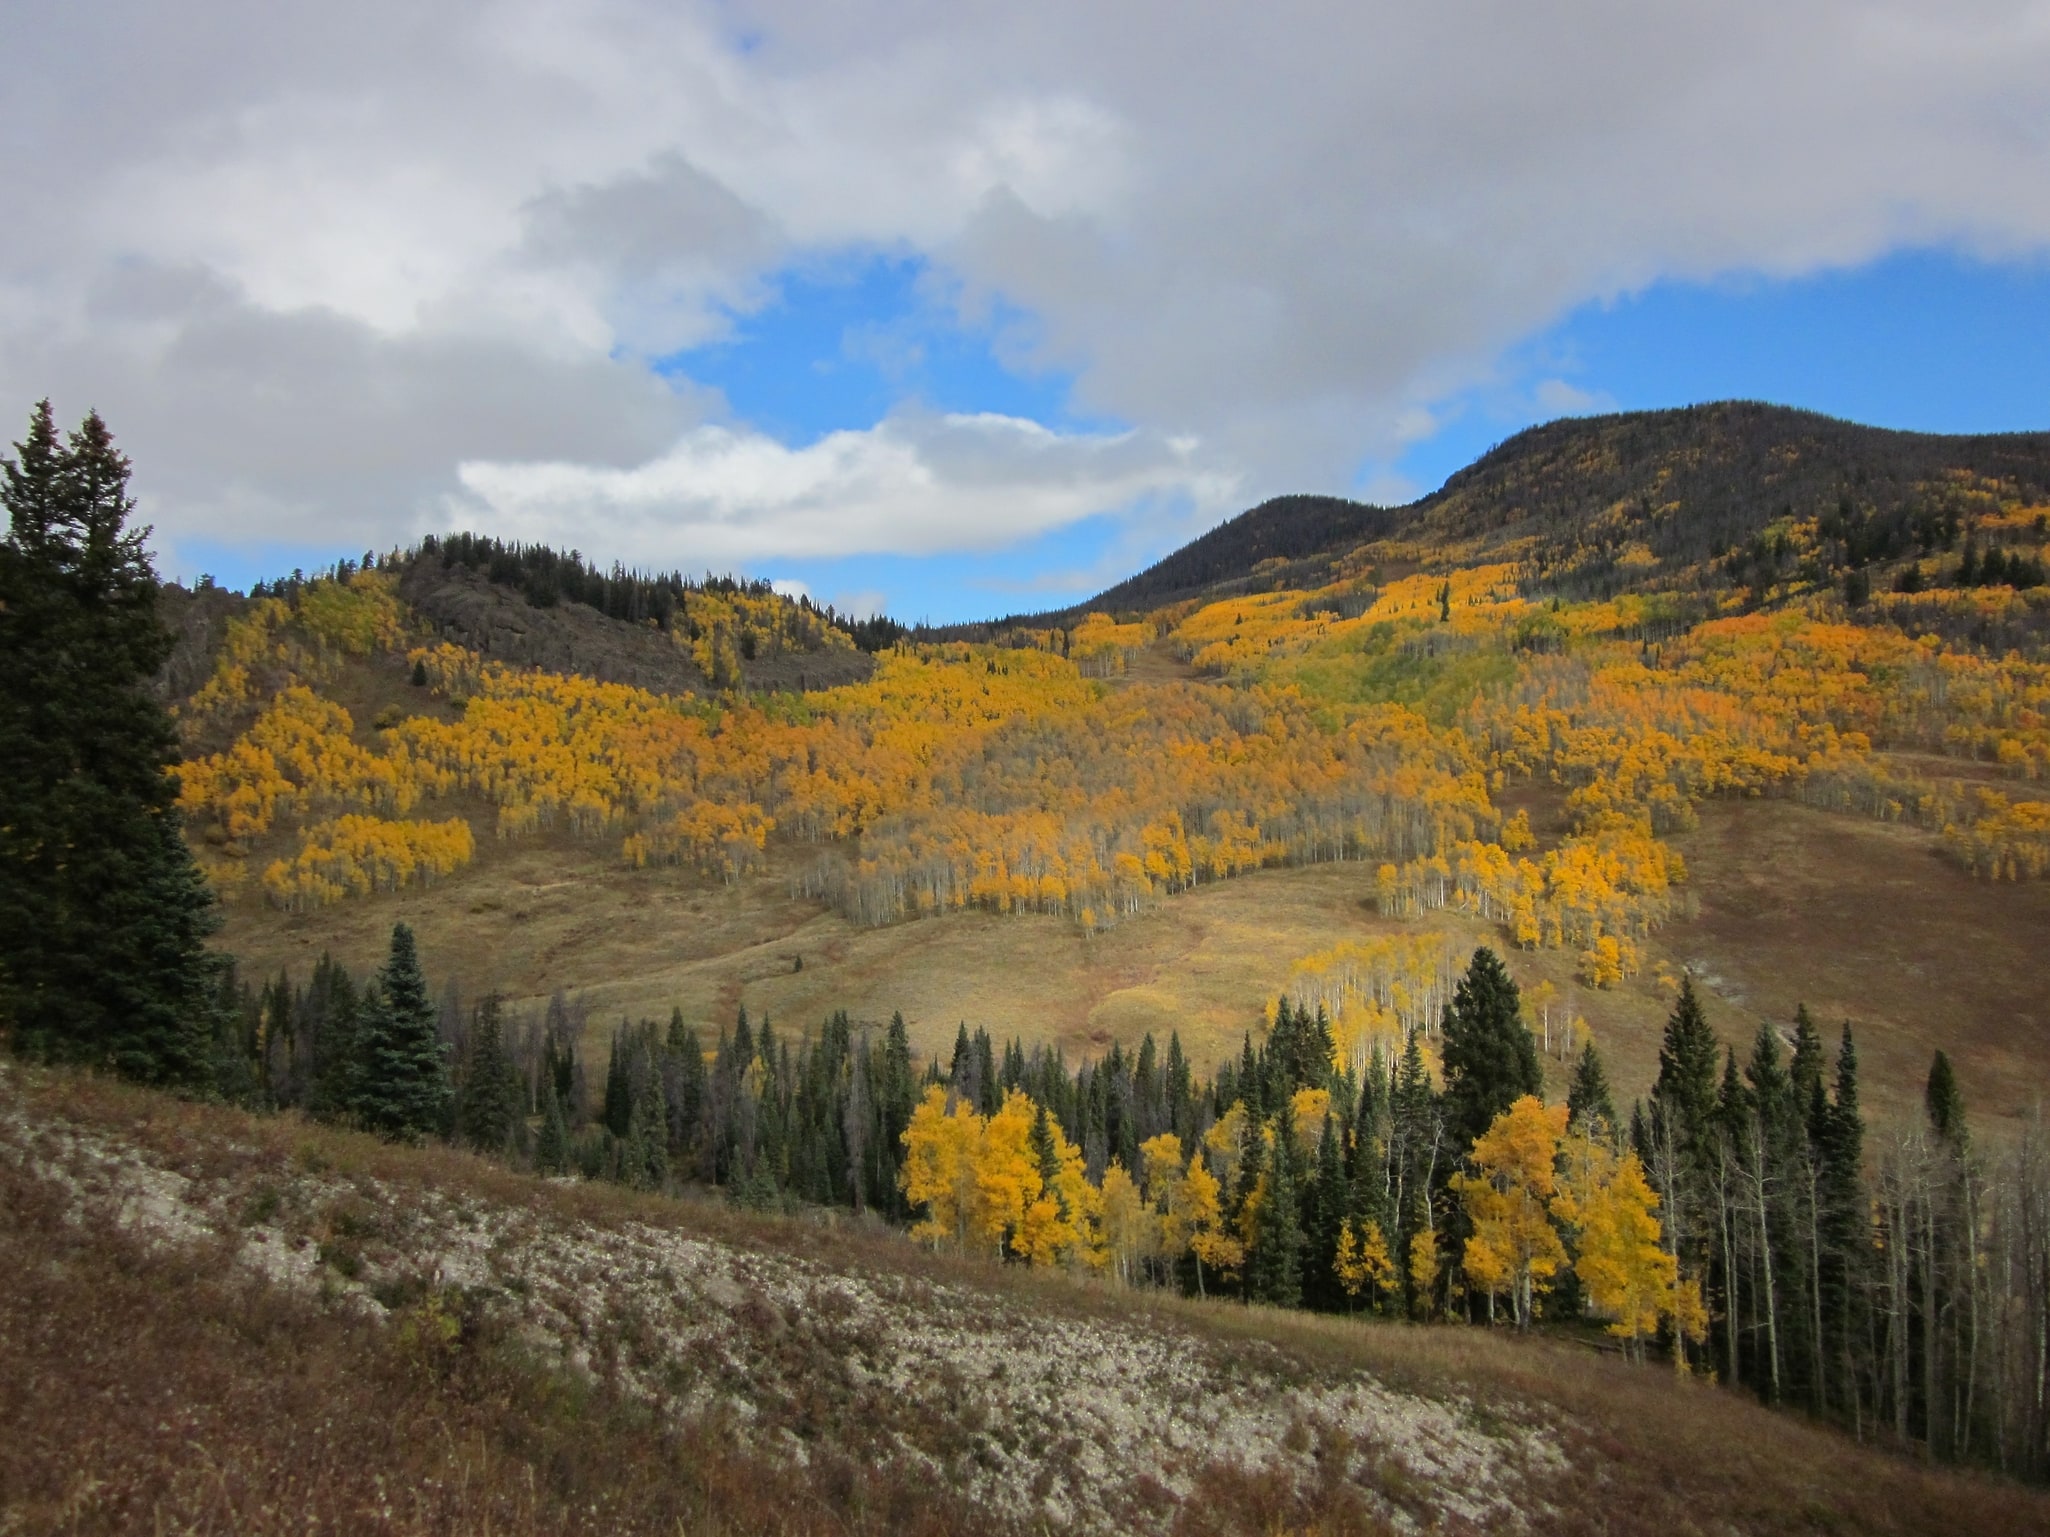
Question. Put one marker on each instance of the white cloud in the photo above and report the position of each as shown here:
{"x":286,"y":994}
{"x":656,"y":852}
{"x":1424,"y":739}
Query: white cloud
{"x":312,"y":261}
{"x":1559,"y":398}
{"x":865,"y":603}
{"x":912,"y":485}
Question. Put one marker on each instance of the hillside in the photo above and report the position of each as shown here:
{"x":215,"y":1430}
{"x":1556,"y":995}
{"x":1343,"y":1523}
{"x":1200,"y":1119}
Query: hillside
{"x":292,"y":1328}
{"x":1573,"y":497}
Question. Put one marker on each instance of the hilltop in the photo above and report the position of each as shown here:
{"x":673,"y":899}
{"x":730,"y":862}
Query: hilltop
{"x":290,"y":1324}
{"x":1573,"y":498}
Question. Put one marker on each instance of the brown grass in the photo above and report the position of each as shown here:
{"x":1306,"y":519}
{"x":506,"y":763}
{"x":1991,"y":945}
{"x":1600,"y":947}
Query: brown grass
{"x":155,"y":1389}
{"x":1859,"y":920}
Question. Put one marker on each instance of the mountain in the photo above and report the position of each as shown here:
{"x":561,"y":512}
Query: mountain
{"x":1691,"y":486}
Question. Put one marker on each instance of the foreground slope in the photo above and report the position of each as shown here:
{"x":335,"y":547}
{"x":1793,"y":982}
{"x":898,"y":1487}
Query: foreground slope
{"x":222,"y":1323}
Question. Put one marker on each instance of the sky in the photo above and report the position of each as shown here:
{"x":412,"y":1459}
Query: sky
{"x":967,"y":309}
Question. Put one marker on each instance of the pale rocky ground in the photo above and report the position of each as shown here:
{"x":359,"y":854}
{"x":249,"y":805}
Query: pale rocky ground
{"x":1060,"y":1417}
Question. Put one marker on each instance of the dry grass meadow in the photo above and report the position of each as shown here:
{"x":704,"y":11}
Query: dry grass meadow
{"x":1785,"y":904}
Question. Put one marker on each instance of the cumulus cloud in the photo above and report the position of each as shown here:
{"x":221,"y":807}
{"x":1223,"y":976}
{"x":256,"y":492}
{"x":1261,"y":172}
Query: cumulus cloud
{"x":912,"y":485}
{"x":329,"y":268}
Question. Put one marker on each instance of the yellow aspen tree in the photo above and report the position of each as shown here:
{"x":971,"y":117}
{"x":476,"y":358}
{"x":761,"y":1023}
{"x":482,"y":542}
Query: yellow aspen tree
{"x":1161,"y":1159}
{"x":1224,"y":1144}
{"x":939,"y":1167}
{"x":1508,"y":1198}
{"x":1124,"y":1222}
{"x":1363,"y":1262}
{"x":1209,"y":1240}
{"x":1007,"y":1178}
{"x":1625,"y":1272}
{"x":1423,"y":1267}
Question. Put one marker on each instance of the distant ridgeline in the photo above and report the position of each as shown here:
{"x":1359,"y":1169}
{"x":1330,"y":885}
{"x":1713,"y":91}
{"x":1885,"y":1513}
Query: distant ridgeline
{"x":546,"y":577}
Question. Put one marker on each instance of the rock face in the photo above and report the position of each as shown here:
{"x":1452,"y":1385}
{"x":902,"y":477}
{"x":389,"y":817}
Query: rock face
{"x":466,"y":608}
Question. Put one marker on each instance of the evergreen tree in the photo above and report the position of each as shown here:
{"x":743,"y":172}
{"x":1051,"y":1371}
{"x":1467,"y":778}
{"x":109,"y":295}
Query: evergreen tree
{"x":619,"y":1083}
{"x":1841,"y":1208}
{"x":1944,"y":1104}
{"x":1326,"y":1197}
{"x":103,"y":913}
{"x":1274,"y":1259}
{"x":1490,"y":1059}
{"x":399,"y":1086}
{"x":1589,"y":1106}
{"x":551,"y":1149}
{"x":644,"y":1157}
{"x":1684,"y":1093}
{"x":683,"y":1088}
{"x":488,"y":1099}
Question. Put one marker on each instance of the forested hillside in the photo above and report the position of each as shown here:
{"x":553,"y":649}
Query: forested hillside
{"x":1702,"y":497}
{"x":1493,"y":1082}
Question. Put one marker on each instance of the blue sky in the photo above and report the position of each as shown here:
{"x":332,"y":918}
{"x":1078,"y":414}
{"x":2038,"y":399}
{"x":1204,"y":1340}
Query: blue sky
{"x":1925,"y":341}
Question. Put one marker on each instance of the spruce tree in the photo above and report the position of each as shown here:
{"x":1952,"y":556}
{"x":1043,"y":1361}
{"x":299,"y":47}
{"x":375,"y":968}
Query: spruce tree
{"x":1589,"y":1106}
{"x":1325,"y":1202}
{"x":399,"y":1085}
{"x":1490,"y":1059}
{"x":1683,"y":1096}
{"x":103,"y":913}
{"x":551,"y":1149}
{"x":488,"y":1102}
{"x":1944,"y":1104}
{"x":1274,"y":1264}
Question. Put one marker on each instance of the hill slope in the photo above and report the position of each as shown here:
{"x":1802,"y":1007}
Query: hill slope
{"x":291,"y":1328}
{"x":1690,"y":484}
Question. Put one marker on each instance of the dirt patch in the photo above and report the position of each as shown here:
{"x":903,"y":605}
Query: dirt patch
{"x":1871,"y":923}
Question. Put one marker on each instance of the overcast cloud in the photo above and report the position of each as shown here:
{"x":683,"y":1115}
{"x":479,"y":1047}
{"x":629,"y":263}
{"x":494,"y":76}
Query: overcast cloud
{"x":378,"y":266}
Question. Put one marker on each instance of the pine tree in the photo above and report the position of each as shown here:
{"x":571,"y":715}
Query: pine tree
{"x":1684,"y":1093}
{"x":1944,"y":1104}
{"x":1590,"y":1108}
{"x":1275,"y":1257}
{"x":488,"y":1100}
{"x":551,"y":1149}
{"x":1326,"y":1198}
{"x":399,"y":1085}
{"x":103,"y":914}
{"x":1490,"y":1059}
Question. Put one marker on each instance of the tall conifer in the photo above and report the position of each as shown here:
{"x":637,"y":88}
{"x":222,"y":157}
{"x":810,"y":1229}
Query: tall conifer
{"x":400,"y":1084}
{"x":103,"y":913}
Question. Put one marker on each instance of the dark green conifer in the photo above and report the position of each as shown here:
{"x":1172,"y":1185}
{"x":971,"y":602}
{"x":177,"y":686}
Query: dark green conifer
{"x":1944,"y":1104}
{"x":1490,"y":1060}
{"x":488,"y":1101}
{"x":1589,"y":1105}
{"x":399,"y":1087}
{"x":1683,"y":1096}
{"x":1274,"y":1263}
{"x":103,"y":913}
{"x":551,"y":1148}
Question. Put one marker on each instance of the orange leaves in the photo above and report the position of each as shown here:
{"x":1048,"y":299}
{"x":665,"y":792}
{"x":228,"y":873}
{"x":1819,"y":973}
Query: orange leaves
{"x":356,"y":855}
{"x":1507,"y":1198}
{"x":979,"y":1182}
{"x":2007,"y":840}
